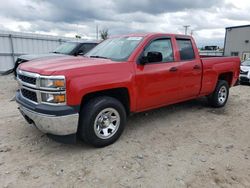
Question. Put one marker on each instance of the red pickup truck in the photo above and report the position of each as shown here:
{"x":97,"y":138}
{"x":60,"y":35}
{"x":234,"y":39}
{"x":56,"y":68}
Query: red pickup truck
{"x":92,"y":96}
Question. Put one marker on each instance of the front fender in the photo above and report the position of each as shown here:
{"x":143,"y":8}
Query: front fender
{"x":78,"y":87}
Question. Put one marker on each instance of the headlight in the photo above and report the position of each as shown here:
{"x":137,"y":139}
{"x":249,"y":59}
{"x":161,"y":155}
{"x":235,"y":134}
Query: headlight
{"x":53,"y":98}
{"x":53,"y":83}
{"x":55,"y":86}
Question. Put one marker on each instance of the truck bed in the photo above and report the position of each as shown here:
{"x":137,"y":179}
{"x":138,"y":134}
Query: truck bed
{"x":213,"y":66}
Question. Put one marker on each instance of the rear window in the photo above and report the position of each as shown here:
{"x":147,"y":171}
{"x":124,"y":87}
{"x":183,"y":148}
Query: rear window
{"x":185,"y":49}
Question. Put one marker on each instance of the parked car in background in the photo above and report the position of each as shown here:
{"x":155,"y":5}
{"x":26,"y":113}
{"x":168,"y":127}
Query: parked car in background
{"x":72,"y":48}
{"x":245,"y":72}
{"x":92,"y":96}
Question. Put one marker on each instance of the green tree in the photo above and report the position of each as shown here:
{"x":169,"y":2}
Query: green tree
{"x":104,"y":34}
{"x":78,"y":36}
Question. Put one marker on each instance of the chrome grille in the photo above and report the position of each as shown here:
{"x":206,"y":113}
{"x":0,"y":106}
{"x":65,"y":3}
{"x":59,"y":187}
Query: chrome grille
{"x":27,"y":82}
{"x":31,"y":95}
{"x":31,"y":90}
{"x":27,"y":79}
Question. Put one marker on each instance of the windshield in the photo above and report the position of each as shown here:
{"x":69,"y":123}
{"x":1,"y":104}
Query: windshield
{"x":116,"y":49}
{"x":65,"y":48}
{"x":246,"y":63}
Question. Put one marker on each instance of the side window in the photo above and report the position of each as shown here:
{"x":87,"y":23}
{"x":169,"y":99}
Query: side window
{"x":86,"y":47}
{"x":185,"y":49}
{"x":161,"y":45}
{"x":234,"y":53}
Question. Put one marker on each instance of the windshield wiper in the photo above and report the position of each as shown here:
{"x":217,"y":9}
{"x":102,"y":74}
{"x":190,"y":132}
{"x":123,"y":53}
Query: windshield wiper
{"x":97,"y":56}
{"x":56,"y":52}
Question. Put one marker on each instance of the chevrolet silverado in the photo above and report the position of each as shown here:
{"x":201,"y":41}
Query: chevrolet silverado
{"x":90,"y":97}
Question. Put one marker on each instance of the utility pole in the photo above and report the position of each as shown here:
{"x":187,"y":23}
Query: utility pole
{"x":186,"y":28}
{"x":97,"y":32}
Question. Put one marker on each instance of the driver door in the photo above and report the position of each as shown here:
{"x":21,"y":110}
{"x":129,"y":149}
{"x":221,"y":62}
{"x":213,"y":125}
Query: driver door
{"x":158,"y":83}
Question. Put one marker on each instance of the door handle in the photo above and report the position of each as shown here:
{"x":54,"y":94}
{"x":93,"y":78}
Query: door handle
{"x":197,"y":67}
{"x":173,"y":69}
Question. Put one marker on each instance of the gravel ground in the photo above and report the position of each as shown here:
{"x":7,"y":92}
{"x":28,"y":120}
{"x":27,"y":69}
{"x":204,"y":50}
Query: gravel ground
{"x":183,"y":145}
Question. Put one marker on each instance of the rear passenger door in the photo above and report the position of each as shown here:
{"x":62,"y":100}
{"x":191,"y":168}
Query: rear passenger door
{"x":190,"y":69}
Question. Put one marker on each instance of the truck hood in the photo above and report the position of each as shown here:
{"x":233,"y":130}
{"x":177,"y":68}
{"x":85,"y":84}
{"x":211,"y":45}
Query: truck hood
{"x":69,"y":65}
{"x":30,"y":57}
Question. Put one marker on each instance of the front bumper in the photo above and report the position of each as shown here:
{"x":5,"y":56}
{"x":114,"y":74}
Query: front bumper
{"x":50,"y":124}
{"x":53,"y":120}
{"x":244,"y":79}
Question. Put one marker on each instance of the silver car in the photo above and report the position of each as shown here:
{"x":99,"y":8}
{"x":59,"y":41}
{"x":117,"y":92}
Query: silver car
{"x":245,"y":72}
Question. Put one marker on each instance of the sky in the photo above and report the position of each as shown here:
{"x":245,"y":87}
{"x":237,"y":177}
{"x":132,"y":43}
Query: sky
{"x":207,"y":20}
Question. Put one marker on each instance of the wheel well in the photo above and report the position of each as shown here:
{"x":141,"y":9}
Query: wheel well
{"x":227,"y":77}
{"x":120,"y":94}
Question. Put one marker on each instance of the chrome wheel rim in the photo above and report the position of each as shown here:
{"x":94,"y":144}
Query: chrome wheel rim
{"x":107,"y":123}
{"x":222,"y":96}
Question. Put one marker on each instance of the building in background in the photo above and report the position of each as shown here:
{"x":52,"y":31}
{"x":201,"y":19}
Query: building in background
{"x":237,"y":41}
{"x":14,"y":44}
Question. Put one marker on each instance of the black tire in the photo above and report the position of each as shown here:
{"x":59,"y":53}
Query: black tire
{"x":214,"y":98}
{"x":88,"y":116}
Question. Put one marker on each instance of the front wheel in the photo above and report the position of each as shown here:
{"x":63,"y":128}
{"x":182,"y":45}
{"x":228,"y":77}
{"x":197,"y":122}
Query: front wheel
{"x":102,"y":121}
{"x":220,"y":95}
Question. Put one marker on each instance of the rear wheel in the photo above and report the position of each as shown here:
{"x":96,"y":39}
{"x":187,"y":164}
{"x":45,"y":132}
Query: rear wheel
{"x":102,"y":121}
{"x":220,"y":95}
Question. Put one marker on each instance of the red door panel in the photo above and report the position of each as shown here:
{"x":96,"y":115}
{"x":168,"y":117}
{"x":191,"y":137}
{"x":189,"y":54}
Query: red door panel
{"x":190,"y":78}
{"x":157,"y":84}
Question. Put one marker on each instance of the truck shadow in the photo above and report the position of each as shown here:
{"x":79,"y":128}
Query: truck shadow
{"x":196,"y":104}
{"x":138,"y":120}
{"x":173,"y":112}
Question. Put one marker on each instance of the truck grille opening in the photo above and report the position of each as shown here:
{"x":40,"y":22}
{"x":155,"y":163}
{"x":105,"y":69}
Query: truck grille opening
{"x":244,"y":79}
{"x":27,"y":79}
{"x":31,"y":95}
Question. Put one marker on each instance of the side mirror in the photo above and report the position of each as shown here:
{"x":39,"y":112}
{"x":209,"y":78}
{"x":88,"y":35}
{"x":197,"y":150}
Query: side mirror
{"x":151,"y":57}
{"x":154,"y":57}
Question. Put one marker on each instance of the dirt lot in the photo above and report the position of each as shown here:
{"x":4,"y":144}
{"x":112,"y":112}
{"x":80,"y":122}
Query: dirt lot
{"x":184,"y":145}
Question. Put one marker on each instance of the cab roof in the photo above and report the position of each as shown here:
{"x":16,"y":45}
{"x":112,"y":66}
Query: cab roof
{"x":152,"y":34}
